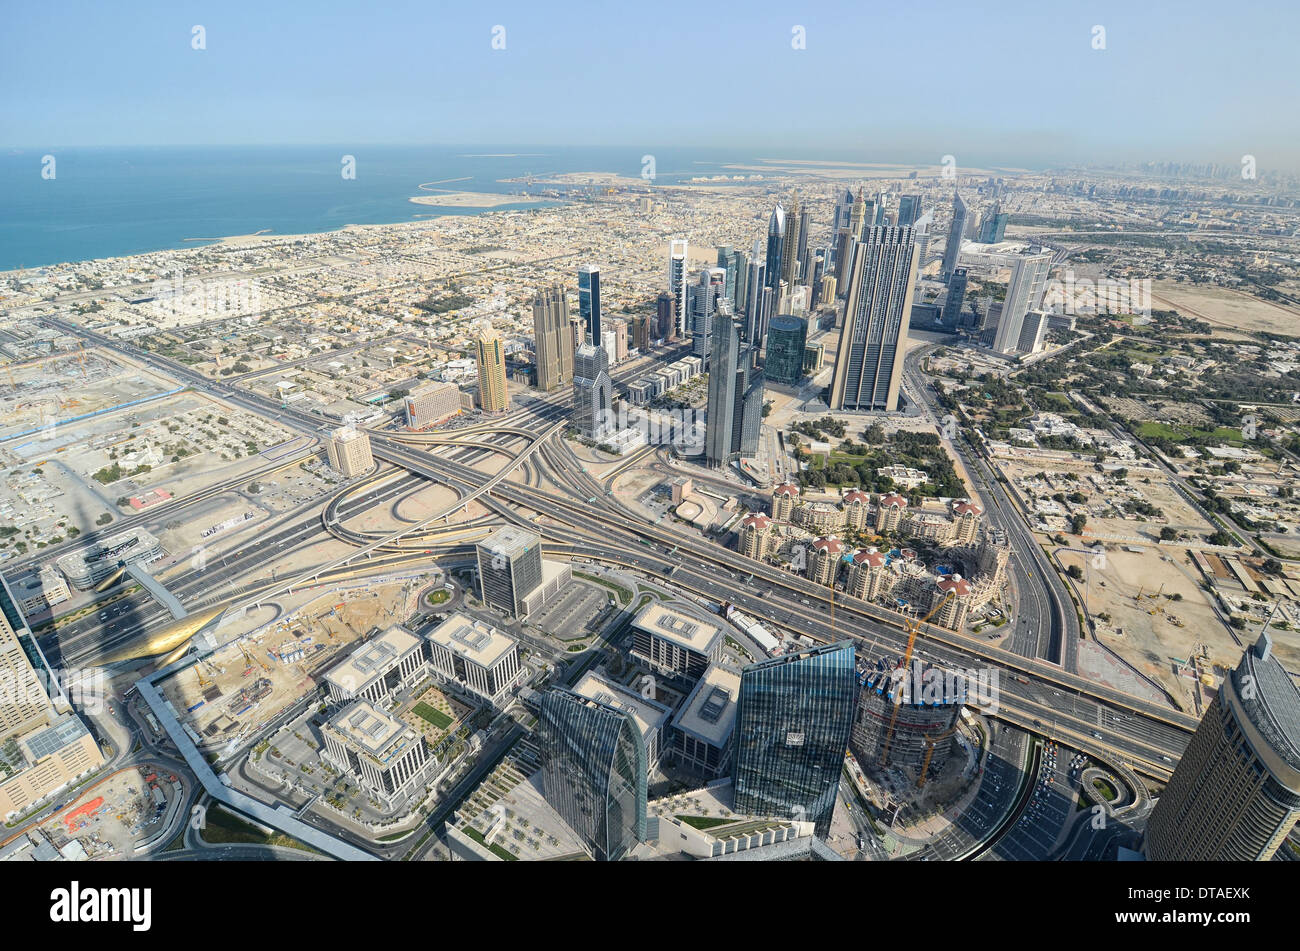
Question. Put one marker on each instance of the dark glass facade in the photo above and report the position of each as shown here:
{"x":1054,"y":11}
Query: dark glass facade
{"x":792,"y":730}
{"x":594,"y":771}
{"x":786,"y":336}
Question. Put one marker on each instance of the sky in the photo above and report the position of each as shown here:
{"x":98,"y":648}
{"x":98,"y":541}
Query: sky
{"x":1011,"y":83}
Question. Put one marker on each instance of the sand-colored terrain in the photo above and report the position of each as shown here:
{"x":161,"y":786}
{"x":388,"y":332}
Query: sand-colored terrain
{"x":1226,"y":308}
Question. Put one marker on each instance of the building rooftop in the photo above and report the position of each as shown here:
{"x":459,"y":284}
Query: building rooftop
{"x":511,"y":541}
{"x":648,"y":714}
{"x":690,"y":632}
{"x":372,"y":659}
{"x":371,"y":731}
{"x":472,"y":639}
{"x":1274,"y":706}
{"x":709,"y":712}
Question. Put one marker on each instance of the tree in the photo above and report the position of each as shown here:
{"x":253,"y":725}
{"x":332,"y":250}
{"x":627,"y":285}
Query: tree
{"x":1167,"y":534}
{"x":1077,"y":523}
{"x":1075,"y":572}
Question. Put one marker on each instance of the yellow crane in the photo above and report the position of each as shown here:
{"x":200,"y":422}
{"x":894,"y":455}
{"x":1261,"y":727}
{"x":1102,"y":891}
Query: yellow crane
{"x":912,"y":626}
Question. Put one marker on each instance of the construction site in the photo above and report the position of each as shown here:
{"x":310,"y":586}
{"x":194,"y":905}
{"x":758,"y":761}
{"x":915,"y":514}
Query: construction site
{"x":229,"y":696}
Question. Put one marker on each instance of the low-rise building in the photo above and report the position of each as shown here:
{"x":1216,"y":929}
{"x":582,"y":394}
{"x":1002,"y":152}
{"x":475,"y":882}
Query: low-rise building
{"x":675,"y":643}
{"x":383,"y":754}
{"x":373,"y":671}
{"x":475,"y":655}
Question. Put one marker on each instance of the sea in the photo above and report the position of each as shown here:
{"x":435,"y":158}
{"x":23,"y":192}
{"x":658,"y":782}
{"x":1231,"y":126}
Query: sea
{"x":78,"y":204}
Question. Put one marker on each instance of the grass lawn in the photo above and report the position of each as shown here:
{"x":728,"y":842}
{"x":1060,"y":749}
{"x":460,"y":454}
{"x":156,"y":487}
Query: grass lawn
{"x":433,"y":715}
{"x":1182,"y":433}
{"x":496,"y":849}
{"x":704,"y":822}
{"x":222,"y":827}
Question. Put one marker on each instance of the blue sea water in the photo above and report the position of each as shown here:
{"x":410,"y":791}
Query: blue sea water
{"x":109,"y":202}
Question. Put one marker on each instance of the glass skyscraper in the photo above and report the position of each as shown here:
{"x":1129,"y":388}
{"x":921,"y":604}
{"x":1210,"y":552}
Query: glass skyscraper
{"x":793,"y":719}
{"x":589,"y":302}
{"x":786,"y":338}
{"x":594,"y":771}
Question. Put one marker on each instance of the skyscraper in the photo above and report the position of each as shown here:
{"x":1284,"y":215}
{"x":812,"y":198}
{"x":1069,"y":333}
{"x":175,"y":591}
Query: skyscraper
{"x":909,"y":210}
{"x":592,"y":392}
{"x":993,"y":226}
{"x":1024,"y":293}
{"x":1235,"y":794}
{"x":677,"y":249}
{"x":553,"y":342}
{"x":786,"y":338}
{"x":493,"y":397}
{"x":720,"y":417}
{"x":666,"y":316}
{"x":728,"y":265}
{"x":955,"y":231}
{"x":509,"y":569}
{"x":775,"y":240}
{"x":790,"y":242}
{"x":704,"y":296}
{"x":873,"y":338}
{"x":858,"y":216}
{"x":589,"y":302}
{"x":594,"y":771}
{"x":740,"y":270}
{"x":793,"y":719}
{"x":801,"y":250}
{"x":951,"y":315}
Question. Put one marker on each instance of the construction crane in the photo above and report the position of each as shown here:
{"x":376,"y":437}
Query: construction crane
{"x":912,"y":626}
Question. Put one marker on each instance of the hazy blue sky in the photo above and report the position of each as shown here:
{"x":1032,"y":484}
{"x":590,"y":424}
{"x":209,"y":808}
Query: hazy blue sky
{"x":1178,"y":80}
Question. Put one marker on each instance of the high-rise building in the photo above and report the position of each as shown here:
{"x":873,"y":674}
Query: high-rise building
{"x":786,"y":338}
{"x":793,"y":720}
{"x":909,"y":210}
{"x":592,"y":392}
{"x":677,"y":249}
{"x":720,"y":418}
{"x":800,"y":272}
{"x":509,"y":568}
{"x":873,"y":338}
{"x":552,"y":339}
{"x":431,"y":403}
{"x":493,"y":397}
{"x":666,"y":316}
{"x":704,"y":297}
{"x":740,"y":270}
{"x":776,"y":226}
{"x":993,"y":226}
{"x":727,"y":262}
{"x":640,"y":325}
{"x":1024,"y":293}
{"x":955,"y":231}
{"x":1032,"y":331}
{"x":755,"y":284}
{"x":951,"y":315}
{"x":24,"y":704}
{"x":858,"y":216}
{"x":756,"y":538}
{"x":589,"y":303}
{"x":348,"y":450}
{"x":1235,"y":794}
{"x":594,"y":771}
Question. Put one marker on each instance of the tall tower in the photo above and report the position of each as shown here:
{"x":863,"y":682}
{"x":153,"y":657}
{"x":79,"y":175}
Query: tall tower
{"x":493,"y":397}
{"x":721,"y":418}
{"x":552,"y":339}
{"x":704,"y":297}
{"x":800,"y":273}
{"x":955,"y":231}
{"x":909,"y":210}
{"x":793,"y":718}
{"x":594,"y":771}
{"x":1024,"y":293}
{"x":775,"y":240}
{"x":25,"y":704}
{"x":1235,"y":794}
{"x":589,"y":302}
{"x":869,"y":363}
{"x":858,"y":216}
{"x":740,"y":273}
{"x":677,"y":248}
{"x":592,"y":392}
{"x":728,"y":264}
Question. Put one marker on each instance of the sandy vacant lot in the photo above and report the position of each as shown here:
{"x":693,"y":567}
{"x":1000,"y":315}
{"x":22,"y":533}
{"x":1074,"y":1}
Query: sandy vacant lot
{"x":1225,"y":308}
